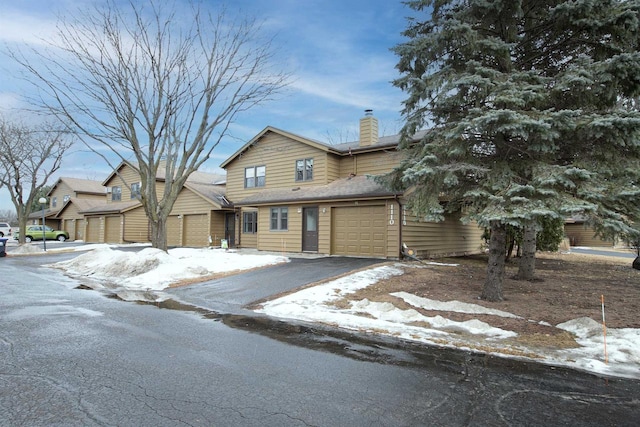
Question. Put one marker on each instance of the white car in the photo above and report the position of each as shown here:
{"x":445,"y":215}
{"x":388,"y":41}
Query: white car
{"x":5,"y":229}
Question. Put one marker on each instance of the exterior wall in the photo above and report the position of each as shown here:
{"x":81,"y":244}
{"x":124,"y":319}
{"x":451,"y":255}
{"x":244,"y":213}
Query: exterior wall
{"x":333,"y":167}
{"x":216,"y":227}
{"x":291,"y":239}
{"x":375,"y":163}
{"x":62,"y":189}
{"x":136,"y":226}
{"x":436,"y":239}
{"x":278,"y":154}
{"x":580,"y":235}
{"x":248,"y":240}
{"x":129,"y":175}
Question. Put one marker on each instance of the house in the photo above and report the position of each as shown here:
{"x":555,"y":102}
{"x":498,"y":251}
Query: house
{"x":65,"y":198}
{"x":580,"y":234}
{"x":295,"y":194}
{"x":200,"y":216}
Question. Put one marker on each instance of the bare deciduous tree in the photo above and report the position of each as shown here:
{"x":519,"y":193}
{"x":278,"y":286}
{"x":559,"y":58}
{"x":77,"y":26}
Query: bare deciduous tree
{"x":157,"y":86}
{"x":32,"y":154}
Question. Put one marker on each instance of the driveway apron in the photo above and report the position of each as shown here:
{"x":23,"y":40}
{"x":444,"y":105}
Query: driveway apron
{"x":230,"y":294}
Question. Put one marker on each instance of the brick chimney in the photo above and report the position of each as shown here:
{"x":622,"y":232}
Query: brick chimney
{"x":368,"y":129}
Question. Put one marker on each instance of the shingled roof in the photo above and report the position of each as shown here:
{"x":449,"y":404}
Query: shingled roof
{"x":352,"y":188}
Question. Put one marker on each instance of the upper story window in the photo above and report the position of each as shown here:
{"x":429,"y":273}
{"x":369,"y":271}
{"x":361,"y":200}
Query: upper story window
{"x":116,"y":193}
{"x":279,"y":219}
{"x":135,"y":190}
{"x":65,"y":198}
{"x":54,"y":202}
{"x":304,"y":170}
{"x":250,"y":222}
{"x":255,"y":176}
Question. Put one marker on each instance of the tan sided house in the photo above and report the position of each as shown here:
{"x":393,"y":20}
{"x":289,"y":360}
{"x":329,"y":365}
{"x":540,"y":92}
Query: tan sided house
{"x":200,"y":217}
{"x":294,"y":194}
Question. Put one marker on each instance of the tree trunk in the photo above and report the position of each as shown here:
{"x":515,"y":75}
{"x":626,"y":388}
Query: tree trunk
{"x":527,"y":267}
{"x":159,"y":233}
{"x":492,"y":290}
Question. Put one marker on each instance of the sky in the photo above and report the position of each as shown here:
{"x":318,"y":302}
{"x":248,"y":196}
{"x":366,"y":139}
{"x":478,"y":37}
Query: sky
{"x":338,"y":52}
{"x":144,"y":274}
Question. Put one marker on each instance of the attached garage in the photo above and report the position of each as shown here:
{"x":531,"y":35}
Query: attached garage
{"x":196,"y":230}
{"x":359,"y":231}
{"x":69,"y":225}
{"x":173,"y":231}
{"x":112,"y":232}
{"x":93,"y":230}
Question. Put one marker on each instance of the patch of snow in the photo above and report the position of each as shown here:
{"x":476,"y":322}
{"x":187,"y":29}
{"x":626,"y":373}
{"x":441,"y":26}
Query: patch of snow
{"x":455,"y":306}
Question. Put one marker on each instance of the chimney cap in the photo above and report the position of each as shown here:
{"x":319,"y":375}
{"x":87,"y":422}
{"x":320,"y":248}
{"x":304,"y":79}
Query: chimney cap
{"x":368,"y":112}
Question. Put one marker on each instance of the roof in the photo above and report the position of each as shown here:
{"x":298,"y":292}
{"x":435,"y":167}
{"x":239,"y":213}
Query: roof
{"x":196,"y":176}
{"x":346,"y":148}
{"x":78,"y":185}
{"x":82,"y":204}
{"x":111,"y":208}
{"x":214,"y":193}
{"x":356,"y":187}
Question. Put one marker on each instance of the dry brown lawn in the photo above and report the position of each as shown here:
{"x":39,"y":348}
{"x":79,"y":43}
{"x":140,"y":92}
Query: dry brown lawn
{"x":567,"y":286}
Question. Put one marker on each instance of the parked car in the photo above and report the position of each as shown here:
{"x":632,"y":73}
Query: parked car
{"x":5,"y":229}
{"x":34,"y":232}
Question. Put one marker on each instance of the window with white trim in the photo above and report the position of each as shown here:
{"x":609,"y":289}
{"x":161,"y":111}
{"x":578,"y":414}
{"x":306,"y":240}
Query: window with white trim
{"x":279,"y":219}
{"x":116,"y":193}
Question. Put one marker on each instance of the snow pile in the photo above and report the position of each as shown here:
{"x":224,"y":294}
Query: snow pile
{"x":154,"y":269}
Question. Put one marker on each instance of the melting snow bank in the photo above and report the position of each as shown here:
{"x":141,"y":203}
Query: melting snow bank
{"x":318,"y":304}
{"x":154,"y":269}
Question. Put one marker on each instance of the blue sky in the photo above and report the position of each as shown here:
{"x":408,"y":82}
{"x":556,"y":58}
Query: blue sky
{"x":338,"y":52}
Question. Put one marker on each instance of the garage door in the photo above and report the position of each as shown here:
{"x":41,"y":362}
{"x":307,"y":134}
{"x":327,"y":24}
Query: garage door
{"x":93,"y":230}
{"x":359,"y":231}
{"x":112,"y":229}
{"x":173,"y":231}
{"x":196,"y":230}
{"x":70,"y":227}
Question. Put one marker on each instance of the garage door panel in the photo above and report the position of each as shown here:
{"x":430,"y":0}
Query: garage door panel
{"x":196,"y":230}
{"x":359,"y":231}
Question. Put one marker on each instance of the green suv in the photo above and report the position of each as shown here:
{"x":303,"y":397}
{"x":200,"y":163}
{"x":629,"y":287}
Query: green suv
{"x":34,"y":232}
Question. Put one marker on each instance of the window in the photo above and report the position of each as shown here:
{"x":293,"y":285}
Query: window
{"x":250,"y":222}
{"x":116,"y":193}
{"x":255,"y":176}
{"x":279,"y":218}
{"x":135,"y":190}
{"x":304,"y":170}
{"x":54,"y":202}
{"x":65,"y":198}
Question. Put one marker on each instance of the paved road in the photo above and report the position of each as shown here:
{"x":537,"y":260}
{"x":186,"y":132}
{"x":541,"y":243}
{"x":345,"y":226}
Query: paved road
{"x":609,"y":253}
{"x":76,"y":358}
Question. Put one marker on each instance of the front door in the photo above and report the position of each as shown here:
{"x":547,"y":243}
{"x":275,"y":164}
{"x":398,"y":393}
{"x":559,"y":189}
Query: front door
{"x":310,"y":229}
{"x":230,"y":229}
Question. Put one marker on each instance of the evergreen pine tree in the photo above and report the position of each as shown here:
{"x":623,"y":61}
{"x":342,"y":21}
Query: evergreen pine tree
{"x":529,"y":106}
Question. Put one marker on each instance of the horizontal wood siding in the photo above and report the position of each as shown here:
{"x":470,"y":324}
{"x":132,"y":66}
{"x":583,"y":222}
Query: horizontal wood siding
{"x":62,"y":189}
{"x":69,"y":225}
{"x":278,"y":154}
{"x":376,"y":163}
{"x":189,"y":202}
{"x":130,"y":176}
{"x":437,"y":239}
{"x":580,"y":235}
{"x":333,"y":167}
{"x":280,"y":241}
{"x":217,"y":227}
{"x":247,"y":240}
{"x":136,"y":226}
{"x":81,"y":227}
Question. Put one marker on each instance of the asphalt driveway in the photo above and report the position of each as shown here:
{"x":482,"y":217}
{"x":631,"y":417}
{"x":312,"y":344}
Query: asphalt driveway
{"x":230,"y":294}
